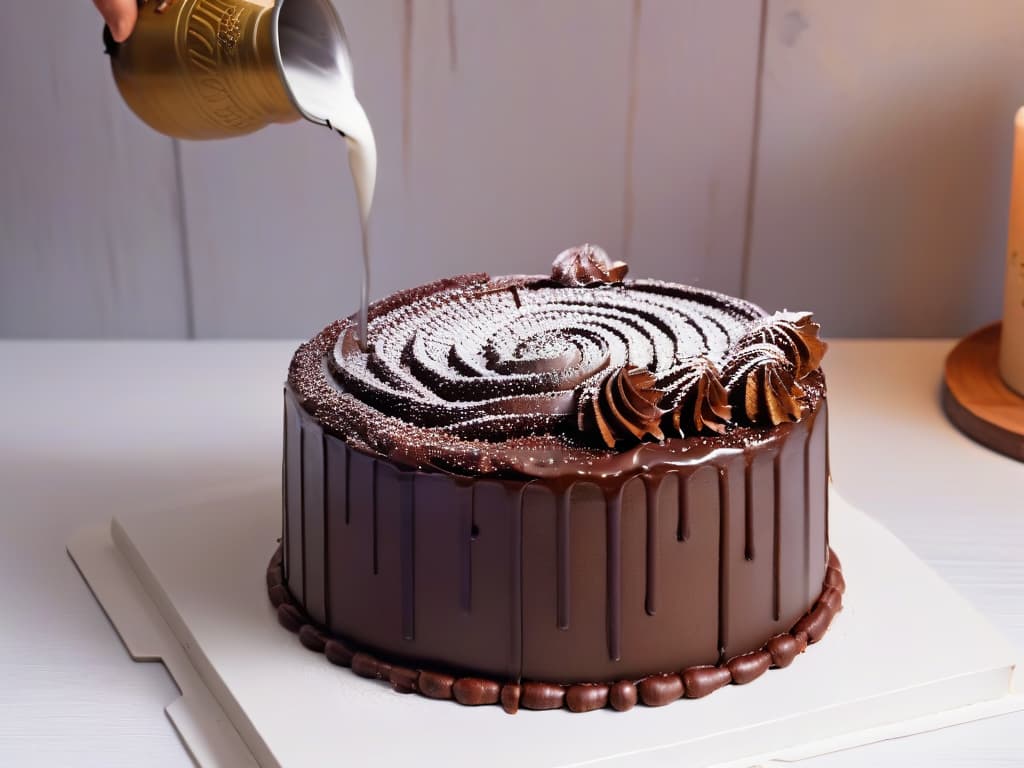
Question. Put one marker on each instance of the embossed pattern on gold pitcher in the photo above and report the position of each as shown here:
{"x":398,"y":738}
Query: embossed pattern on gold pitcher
{"x":204,"y":69}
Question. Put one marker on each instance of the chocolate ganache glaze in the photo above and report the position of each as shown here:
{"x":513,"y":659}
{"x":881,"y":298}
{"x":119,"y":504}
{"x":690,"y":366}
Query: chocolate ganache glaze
{"x":564,"y":479}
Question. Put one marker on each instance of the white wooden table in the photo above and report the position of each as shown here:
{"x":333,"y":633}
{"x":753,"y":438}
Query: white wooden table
{"x":88,"y":428}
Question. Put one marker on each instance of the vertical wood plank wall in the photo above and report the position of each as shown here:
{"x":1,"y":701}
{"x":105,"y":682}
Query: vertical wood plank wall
{"x":882,"y":185}
{"x":90,"y":223}
{"x":849,"y":157}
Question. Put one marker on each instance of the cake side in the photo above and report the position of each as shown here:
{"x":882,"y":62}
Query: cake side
{"x":684,"y":564}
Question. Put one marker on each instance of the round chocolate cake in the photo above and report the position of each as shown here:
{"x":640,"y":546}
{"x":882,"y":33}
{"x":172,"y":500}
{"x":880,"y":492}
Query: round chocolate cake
{"x":575,"y":490}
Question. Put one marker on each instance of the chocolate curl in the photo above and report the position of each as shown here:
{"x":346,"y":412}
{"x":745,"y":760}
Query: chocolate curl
{"x":585,"y":266}
{"x":795,"y":334}
{"x":695,"y":398}
{"x":623,"y":407}
{"x":762,"y":385}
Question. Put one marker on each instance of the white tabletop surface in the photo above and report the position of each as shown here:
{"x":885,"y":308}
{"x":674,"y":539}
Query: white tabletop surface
{"x":88,"y":428}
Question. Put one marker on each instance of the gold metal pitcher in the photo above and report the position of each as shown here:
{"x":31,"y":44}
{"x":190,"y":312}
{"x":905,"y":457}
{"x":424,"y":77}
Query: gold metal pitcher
{"x":211,"y":69}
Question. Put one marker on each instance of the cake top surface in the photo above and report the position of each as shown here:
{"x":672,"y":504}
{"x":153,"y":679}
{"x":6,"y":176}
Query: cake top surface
{"x":582,"y":373}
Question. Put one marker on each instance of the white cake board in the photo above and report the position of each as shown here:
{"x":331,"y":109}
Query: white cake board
{"x":906,"y":655}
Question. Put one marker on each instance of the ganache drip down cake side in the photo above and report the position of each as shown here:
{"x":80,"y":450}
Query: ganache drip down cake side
{"x":568,"y":491}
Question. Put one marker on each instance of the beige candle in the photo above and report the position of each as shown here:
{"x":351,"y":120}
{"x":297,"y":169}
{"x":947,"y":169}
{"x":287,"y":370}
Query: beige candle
{"x":1011,"y":353}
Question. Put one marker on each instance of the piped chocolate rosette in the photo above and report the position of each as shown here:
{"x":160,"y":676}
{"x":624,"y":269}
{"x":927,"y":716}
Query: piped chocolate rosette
{"x":519,"y":375}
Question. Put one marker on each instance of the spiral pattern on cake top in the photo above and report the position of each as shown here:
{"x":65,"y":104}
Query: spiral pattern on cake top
{"x":477,"y":374}
{"x":499,"y":359}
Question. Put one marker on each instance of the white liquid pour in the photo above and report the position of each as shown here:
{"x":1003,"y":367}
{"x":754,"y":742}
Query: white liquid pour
{"x":362,"y":162}
{"x":319,"y":77}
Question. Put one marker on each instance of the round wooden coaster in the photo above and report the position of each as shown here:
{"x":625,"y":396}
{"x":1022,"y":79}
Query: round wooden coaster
{"x":977,"y":400}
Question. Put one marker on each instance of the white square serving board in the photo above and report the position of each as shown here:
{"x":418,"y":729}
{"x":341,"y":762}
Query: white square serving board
{"x":186,"y":586}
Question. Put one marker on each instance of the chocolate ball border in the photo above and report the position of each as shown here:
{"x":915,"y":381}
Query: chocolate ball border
{"x":653,"y":690}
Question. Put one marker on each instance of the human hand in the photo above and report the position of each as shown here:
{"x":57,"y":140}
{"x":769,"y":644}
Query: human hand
{"x":121,"y":15}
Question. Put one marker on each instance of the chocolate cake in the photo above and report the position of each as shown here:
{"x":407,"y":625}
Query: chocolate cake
{"x":569,"y":491}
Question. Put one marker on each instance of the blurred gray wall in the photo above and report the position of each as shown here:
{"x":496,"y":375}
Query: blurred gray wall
{"x":850,"y":157}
